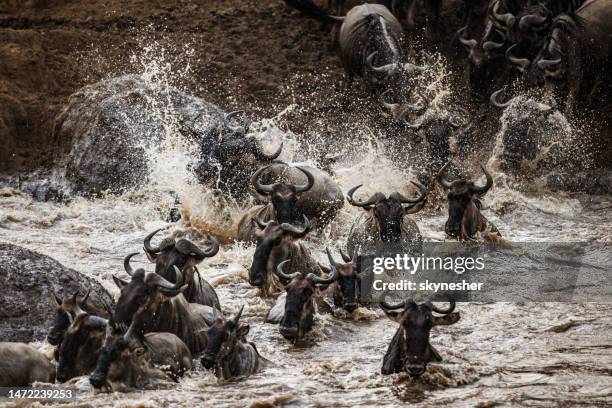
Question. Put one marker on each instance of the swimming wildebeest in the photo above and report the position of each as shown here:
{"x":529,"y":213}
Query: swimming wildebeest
{"x":185,"y":255}
{"x":410,"y":350}
{"x":21,"y":365}
{"x":295,"y":310}
{"x":385,"y":219}
{"x":464,"y":217}
{"x":275,"y":244}
{"x":229,"y":156}
{"x":228,"y":352}
{"x":345,"y":289}
{"x":370,"y":41}
{"x":157,"y":305}
{"x":123,"y":364}
{"x":304,"y":191}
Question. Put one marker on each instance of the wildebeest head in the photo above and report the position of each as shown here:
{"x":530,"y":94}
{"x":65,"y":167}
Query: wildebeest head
{"x":144,"y":292}
{"x":410,"y":350}
{"x":231,"y":157}
{"x":182,"y":253}
{"x":64,"y":315}
{"x":462,"y":199}
{"x":80,"y":345}
{"x":284,"y":196}
{"x":389,"y":212}
{"x":299,"y":303}
{"x":346,"y":287}
{"x":272,"y":237}
{"x":223,"y":335}
{"x":121,"y":357}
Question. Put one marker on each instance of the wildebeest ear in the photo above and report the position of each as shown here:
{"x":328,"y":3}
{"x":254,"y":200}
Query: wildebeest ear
{"x":56,"y":299}
{"x":119,"y":282}
{"x":446,"y":320}
{"x":243,"y":330}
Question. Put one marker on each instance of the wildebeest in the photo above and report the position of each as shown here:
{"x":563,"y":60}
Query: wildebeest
{"x":410,"y":350}
{"x":576,"y":58}
{"x":80,"y":346}
{"x":185,"y":255}
{"x":275,"y":244}
{"x":370,"y":42}
{"x":464,"y":217}
{"x":228,"y":352}
{"x":158,"y":305}
{"x":229,"y":156}
{"x":295,"y":310}
{"x":303,"y":191}
{"x":121,"y":365}
{"x":64,"y":315}
{"x":385,"y":219}
{"x":21,"y":365}
{"x":345,"y":289}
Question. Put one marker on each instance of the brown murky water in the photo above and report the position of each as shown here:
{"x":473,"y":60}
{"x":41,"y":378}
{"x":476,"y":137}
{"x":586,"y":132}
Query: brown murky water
{"x":506,"y":354}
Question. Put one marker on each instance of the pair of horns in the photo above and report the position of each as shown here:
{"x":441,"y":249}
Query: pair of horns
{"x":411,"y":303}
{"x":311,"y":276}
{"x":157,"y":281}
{"x":393,"y":68}
{"x":378,"y":197}
{"x":266,"y":189}
{"x":476,"y":189}
{"x":285,"y":226}
{"x":184,"y":246}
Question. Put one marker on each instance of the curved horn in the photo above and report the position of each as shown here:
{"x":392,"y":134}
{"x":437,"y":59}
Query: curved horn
{"x":330,"y":258}
{"x":546,"y":63}
{"x":530,"y":20}
{"x":364,"y":204}
{"x":405,"y":200}
{"x":496,"y":103}
{"x":491,"y":45}
{"x":264,"y":189}
{"x":345,"y":257}
{"x":188,"y":248}
{"x":258,"y":221}
{"x":281,"y":273}
{"x":237,"y":317}
{"x":507,"y":18}
{"x":159,"y":282}
{"x":385,"y":305}
{"x":487,"y":186}
{"x":267,"y":157}
{"x":228,"y":117}
{"x":295,"y":231}
{"x":324,"y":281}
{"x":387,"y":69}
{"x":521,"y":63}
{"x":309,"y":184}
{"x":84,"y":300}
{"x":445,"y":183}
{"x":126,"y":263}
{"x":147,"y":242}
{"x":436,"y":309}
{"x":471,"y":43}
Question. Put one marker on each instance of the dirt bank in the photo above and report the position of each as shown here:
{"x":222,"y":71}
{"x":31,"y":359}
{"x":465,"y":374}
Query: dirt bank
{"x":243,"y":54}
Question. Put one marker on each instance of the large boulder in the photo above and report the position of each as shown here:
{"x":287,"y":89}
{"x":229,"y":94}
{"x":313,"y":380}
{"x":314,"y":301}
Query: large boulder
{"x":28,"y":280}
{"x":105,"y":135}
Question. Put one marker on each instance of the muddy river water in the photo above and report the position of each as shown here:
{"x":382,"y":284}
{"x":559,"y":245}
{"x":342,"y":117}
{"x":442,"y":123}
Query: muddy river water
{"x":498,"y":354}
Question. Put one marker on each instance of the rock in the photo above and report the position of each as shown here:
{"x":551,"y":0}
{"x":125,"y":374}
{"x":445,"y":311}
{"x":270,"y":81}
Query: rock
{"x":13,"y":123}
{"x":27,"y":280}
{"x":104,"y":134}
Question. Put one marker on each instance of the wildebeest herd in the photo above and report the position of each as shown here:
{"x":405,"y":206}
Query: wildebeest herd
{"x":166,"y":317}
